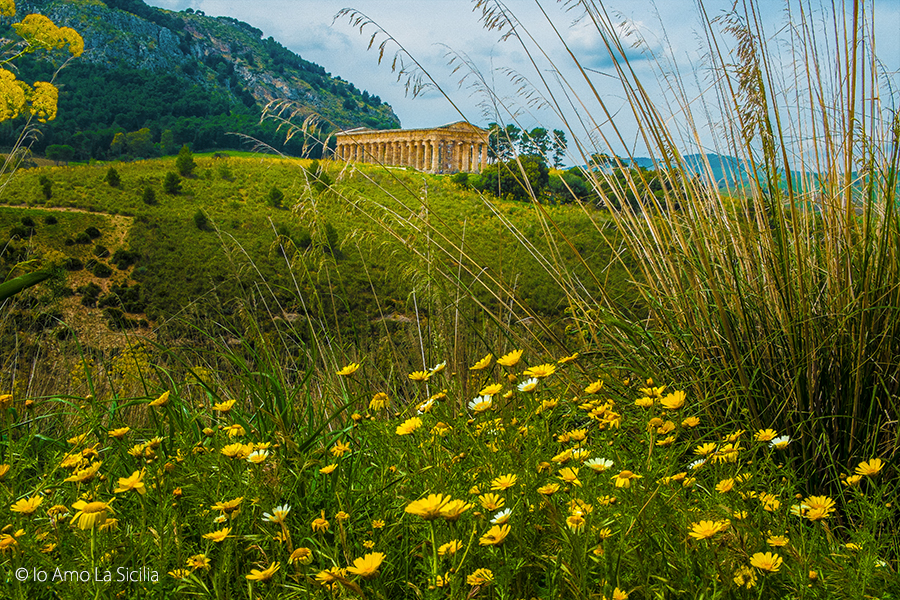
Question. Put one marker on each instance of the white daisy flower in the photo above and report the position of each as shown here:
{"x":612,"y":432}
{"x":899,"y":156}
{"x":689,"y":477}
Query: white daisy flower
{"x":599,"y":464}
{"x":501,"y":517}
{"x":528,"y":385}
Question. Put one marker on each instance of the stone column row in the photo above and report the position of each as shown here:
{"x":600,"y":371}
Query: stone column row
{"x":434,"y":155}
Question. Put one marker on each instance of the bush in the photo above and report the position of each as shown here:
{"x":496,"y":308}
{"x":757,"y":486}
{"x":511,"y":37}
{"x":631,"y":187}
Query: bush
{"x":20,"y":232}
{"x":93,"y":232}
{"x":46,"y":186}
{"x":50,"y":220}
{"x":275,"y":197}
{"x":112,"y":178}
{"x":125,"y":258}
{"x":73,"y":264}
{"x":28,"y":222}
{"x":82,"y":238}
{"x":89,"y":294}
{"x":149,"y":195}
{"x":185,"y":162}
{"x":505,"y":178}
{"x":101,"y":251}
{"x":102,"y":270}
{"x":461,"y":179}
{"x":201,"y":221}
{"x":172,"y":183}
{"x":225,"y":172}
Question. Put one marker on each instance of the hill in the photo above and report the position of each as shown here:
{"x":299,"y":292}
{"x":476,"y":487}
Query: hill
{"x":199,"y":78}
{"x":332,"y":246}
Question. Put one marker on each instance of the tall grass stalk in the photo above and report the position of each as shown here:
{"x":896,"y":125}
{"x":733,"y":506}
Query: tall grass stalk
{"x":781,"y":291}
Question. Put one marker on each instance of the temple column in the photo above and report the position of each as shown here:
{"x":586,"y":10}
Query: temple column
{"x":420,"y":154}
{"x":436,"y":156}
{"x":465,"y":148}
{"x":483,"y":157}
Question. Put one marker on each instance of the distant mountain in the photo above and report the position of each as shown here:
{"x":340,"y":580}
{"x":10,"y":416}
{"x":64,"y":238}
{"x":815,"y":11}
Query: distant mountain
{"x":196,"y":76}
{"x":726,"y":170}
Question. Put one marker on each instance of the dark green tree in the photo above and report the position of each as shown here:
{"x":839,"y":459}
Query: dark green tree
{"x":201,"y":221}
{"x":46,"y":186}
{"x":60,"y":153}
{"x":149,"y":195}
{"x":172,"y":183}
{"x":275,"y":197}
{"x":505,"y":179}
{"x":558,"y":146}
{"x":167,"y":142}
{"x":185,"y":161}
{"x":112,"y":178}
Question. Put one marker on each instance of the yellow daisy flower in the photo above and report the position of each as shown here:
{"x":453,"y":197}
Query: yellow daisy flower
{"x":119,"y":433}
{"x":540,"y":371}
{"x":134,"y":482}
{"x":409,"y":426}
{"x":27,"y":506}
{"x":428,"y":508}
{"x":767,"y":561}
{"x":367,"y":566}
{"x":348,"y":370}
{"x":870,"y":468}
{"x":504,"y":482}
{"x":706,"y":529}
{"x":90,"y":514}
{"x":495,"y":535}
{"x":623,"y":479}
{"x":483,"y":363}
{"x":162,"y":400}
{"x":264,"y":575}
{"x":511,"y":359}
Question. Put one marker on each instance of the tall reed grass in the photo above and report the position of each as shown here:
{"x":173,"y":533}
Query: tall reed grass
{"x":776,"y":295}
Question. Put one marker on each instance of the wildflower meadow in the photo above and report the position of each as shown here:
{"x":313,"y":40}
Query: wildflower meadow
{"x":727,"y":430}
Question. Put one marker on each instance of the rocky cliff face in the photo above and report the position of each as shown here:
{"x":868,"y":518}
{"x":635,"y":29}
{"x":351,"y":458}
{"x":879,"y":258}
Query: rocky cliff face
{"x":216,"y":52}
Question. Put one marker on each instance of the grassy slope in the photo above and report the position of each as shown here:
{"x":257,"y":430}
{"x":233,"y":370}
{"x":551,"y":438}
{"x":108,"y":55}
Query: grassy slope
{"x":385,"y":248}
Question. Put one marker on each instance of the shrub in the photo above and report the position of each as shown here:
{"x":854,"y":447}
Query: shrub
{"x":28,"y":222}
{"x":50,"y":220}
{"x":73,"y":264}
{"x":93,"y":232}
{"x":101,"y":251}
{"x":46,"y":186}
{"x":82,"y":238}
{"x":149,"y":195}
{"x":185,"y":162}
{"x":112,"y":178}
{"x":102,"y":270}
{"x":89,"y":294}
{"x":172,"y":183}
{"x":201,"y":221}
{"x":225,"y":172}
{"x":125,"y":258}
{"x":461,"y":179}
{"x":20,"y":232}
{"x":275,"y":197}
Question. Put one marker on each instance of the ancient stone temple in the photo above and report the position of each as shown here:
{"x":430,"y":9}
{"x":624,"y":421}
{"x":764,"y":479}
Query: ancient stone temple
{"x":452,"y":148}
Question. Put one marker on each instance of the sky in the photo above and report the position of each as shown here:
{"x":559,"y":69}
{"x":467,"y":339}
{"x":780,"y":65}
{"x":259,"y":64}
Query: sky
{"x":434,"y":31}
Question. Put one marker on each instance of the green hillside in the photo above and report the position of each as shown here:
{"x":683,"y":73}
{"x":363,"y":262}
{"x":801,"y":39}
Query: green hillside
{"x":222,"y":244}
{"x":201,"y":79}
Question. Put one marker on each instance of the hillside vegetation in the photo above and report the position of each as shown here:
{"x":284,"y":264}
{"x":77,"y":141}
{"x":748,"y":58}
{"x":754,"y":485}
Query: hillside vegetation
{"x":267,"y":233}
{"x":197,"y":77}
